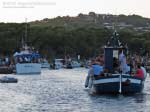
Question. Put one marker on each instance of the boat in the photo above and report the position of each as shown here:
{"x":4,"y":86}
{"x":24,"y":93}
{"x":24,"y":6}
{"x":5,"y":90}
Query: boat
{"x":69,"y":66}
{"x":87,"y":64}
{"x":75,"y":64}
{"x":6,"y":70}
{"x":27,"y":61}
{"x":58,"y":63}
{"x":72,"y":63}
{"x":118,"y":83}
{"x":115,"y":82}
{"x":8,"y":79}
{"x":45,"y":64}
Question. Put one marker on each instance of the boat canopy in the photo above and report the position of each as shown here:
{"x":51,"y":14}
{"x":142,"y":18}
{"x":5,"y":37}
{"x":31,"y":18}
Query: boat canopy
{"x":29,"y":55}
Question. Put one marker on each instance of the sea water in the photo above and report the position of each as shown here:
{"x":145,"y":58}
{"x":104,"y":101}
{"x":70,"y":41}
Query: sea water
{"x":63,"y":91}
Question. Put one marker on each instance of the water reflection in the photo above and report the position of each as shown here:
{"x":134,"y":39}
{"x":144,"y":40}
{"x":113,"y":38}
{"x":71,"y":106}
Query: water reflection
{"x":140,"y":98}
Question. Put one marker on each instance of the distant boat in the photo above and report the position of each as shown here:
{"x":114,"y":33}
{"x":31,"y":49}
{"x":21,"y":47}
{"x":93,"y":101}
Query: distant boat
{"x":113,"y":82}
{"x":45,"y":64}
{"x":58,"y":63}
{"x":75,"y":64}
{"x":87,"y":64}
{"x":6,"y":70}
{"x":27,"y":61}
{"x":5,"y":67}
{"x":69,"y":66}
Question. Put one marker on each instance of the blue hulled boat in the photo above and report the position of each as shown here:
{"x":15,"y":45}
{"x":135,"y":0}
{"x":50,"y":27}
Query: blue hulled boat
{"x":118,"y":83}
{"x":112,"y":81}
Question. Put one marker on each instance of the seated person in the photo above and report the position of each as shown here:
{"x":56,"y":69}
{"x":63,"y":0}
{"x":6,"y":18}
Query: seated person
{"x":97,"y":69}
{"x":115,"y":65}
{"x":139,"y":72}
{"x":106,"y":72}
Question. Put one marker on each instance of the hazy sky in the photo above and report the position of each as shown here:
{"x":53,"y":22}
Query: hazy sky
{"x":18,"y":10}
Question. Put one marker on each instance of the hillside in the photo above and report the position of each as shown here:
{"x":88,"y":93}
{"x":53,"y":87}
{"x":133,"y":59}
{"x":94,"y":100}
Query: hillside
{"x":132,"y":22}
{"x":84,"y":34}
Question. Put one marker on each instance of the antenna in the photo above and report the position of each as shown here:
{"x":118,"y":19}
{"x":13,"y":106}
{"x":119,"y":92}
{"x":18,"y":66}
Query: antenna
{"x":26,"y":30}
{"x":24,"y":37}
{"x":115,"y":21}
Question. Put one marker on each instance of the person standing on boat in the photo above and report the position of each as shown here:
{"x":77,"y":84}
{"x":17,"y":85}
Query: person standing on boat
{"x":124,"y":68}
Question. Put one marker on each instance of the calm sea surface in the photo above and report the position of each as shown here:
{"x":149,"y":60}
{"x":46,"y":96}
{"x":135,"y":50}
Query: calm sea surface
{"x":63,"y":91}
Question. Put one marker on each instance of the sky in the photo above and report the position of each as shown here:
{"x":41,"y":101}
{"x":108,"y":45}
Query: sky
{"x":18,"y":10}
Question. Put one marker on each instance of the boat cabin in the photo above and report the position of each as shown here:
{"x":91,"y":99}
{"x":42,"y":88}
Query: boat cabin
{"x":111,"y":53}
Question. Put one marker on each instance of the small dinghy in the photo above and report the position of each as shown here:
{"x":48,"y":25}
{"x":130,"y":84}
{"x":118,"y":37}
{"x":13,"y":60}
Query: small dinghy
{"x":7,"y":79}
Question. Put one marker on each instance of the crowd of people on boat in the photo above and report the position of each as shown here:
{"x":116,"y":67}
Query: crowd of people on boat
{"x":26,"y":59}
{"x":130,"y":66}
{"x":26,"y":55}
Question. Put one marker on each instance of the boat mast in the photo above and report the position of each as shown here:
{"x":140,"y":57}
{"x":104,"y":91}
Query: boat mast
{"x":24,"y":38}
{"x":26,"y":30}
{"x":114,"y":41}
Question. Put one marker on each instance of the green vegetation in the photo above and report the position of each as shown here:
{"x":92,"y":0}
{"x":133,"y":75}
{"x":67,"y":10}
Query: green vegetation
{"x":60,"y":36}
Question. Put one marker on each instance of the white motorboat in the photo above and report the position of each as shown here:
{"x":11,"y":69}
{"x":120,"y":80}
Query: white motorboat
{"x":45,"y":64}
{"x":59,"y":63}
{"x":27,"y":63}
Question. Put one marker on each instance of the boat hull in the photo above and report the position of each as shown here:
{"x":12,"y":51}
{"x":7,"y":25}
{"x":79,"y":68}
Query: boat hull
{"x":45,"y":65}
{"x":28,"y":68}
{"x":129,"y":84}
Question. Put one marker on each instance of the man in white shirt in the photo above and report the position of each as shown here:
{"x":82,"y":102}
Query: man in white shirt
{"x":123,"y":65}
